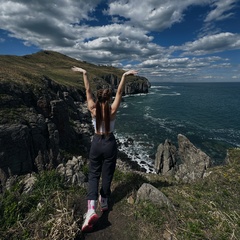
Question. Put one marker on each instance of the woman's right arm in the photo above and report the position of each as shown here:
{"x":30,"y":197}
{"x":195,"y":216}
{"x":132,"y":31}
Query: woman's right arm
{"x":90,"y":101}
{"x":118,"y":97}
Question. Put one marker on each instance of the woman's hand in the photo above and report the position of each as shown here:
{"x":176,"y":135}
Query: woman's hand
{"x":130,"y":72}
{"x":78,"y":69}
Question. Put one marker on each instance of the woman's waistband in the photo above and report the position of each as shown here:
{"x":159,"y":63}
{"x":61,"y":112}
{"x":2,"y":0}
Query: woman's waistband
{"x":103,"y":135}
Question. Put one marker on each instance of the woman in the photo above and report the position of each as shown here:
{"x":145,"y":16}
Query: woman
{"x":103,"y":152}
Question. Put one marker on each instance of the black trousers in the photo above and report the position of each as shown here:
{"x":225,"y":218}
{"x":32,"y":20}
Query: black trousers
{"x":102,"y":156}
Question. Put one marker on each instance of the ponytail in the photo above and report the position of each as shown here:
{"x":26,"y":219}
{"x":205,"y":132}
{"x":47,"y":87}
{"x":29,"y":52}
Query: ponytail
{"x":107,"y":117}
{"x":98,"y":115}
{"x":103,"y":106}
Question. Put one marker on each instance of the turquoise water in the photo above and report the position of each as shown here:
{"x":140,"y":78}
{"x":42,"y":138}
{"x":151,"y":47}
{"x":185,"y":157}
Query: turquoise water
{"x":207,"y":114}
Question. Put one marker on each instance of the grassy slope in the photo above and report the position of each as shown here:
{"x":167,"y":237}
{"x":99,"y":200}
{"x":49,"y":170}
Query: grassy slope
{"x":30,"y":68}
{"x":206,"y":209}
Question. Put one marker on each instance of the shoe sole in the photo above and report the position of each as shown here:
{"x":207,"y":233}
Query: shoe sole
{"x":91,"y":222}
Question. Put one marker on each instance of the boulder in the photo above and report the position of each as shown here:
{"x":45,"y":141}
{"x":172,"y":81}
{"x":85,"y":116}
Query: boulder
{"x":28,"y":182}
{"x":147,"y":192}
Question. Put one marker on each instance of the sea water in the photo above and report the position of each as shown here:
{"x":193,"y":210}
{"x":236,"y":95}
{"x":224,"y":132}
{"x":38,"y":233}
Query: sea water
{"x":208,"y":114}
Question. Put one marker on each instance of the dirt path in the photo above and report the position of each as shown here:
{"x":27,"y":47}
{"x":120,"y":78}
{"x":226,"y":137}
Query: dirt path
{"x":114,"y":224}
{"x":122,"y":221}
{"x":119,"y":222}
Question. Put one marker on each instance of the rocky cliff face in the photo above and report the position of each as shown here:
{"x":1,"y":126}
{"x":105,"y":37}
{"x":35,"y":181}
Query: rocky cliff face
{"x":39,"y":126}
{"x":36,"y":126}
{"x":139,"y":85}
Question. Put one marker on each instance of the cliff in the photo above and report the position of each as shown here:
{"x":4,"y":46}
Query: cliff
{"x":43,"y":116}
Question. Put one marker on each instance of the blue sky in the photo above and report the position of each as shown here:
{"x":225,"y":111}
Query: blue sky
{"x":189,"y":40}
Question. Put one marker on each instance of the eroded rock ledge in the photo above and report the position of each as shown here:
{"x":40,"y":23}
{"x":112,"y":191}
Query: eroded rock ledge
{"x":187,"y":163}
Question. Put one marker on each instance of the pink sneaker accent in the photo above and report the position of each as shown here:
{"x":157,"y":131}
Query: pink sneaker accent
{"x":90,"y":219}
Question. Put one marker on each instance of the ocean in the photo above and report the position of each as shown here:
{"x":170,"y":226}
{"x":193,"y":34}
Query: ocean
{"x":208,"y":114}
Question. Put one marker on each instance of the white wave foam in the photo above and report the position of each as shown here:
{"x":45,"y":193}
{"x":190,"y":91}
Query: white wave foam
{"x":160,"y":121}
{"x":228,"y":134}
{"x":135,"y":95}
{"x":170,"y":94}
{"x":137,"y":151}
{"x":164,"y":87}
{"x":124,"y":105}
{"x":148,"y":109}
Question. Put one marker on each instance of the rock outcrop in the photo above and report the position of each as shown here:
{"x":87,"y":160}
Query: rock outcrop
{"x":194,"y":162}
{"x":147,"y":192}
{"x":187,"y":163}
{"x":72,"y":171}
{"x":139,"y":85}
{"x":166,"y":161}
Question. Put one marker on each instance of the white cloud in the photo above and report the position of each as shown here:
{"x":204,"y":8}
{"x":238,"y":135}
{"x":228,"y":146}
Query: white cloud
{"x":65,"y":26}
{"x":221,"y":10}
{"x":236,"y":77}
{"x":212,"y":44}
{"x":152,"y":16}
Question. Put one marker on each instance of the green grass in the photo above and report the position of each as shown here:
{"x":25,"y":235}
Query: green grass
{"x":206,"y":209}
{"x":30,"y":69}
{"x":24,"y":213}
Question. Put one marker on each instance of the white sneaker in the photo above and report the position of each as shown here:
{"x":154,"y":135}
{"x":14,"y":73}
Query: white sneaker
{"x":90,"y":218}
{"x":103,"y":203}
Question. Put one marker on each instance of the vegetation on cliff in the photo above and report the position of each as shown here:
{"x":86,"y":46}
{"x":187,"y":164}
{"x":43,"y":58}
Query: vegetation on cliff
{"x":29,"y":70}
{"x":206,"y":209}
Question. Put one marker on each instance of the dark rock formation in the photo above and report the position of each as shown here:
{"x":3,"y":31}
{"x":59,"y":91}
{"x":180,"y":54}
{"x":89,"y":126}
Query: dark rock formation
{"x":16,"y":149}
{"x":165,"y":161}
{"x":187,"y":163}
{"x":139,"y":85}
{"x":194,"y":161}
{"x":35,"y":128}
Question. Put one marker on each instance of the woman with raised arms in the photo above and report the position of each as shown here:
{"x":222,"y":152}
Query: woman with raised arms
{"x":103,"y":151}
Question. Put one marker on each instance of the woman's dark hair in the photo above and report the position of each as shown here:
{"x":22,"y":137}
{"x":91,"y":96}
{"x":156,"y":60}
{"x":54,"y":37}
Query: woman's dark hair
{"x":103,"y":109}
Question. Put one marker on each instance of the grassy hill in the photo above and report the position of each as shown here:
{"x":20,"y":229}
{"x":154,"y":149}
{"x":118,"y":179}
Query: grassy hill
{"x":29,"y":69}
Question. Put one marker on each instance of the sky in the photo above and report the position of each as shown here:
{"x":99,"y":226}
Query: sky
{"x":165,"y":40}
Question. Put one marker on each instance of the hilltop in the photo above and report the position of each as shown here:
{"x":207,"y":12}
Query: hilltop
{"x":29,"y":70}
